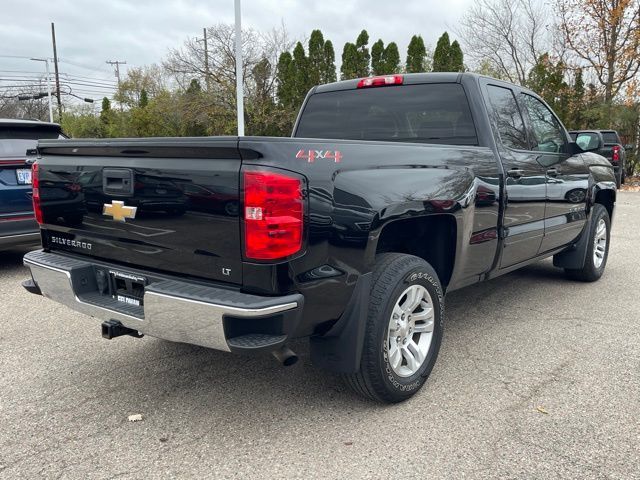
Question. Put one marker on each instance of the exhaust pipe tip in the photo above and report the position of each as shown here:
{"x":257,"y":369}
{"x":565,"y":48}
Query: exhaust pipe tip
{"x":285,"y":356}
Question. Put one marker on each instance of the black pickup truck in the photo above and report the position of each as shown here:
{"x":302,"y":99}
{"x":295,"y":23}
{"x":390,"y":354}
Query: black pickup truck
{"x":606,"y":143}
{"x":392,"y":192}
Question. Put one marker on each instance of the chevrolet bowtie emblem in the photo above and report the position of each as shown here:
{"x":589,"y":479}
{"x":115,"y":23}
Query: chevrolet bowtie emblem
{"x":119,"y":211}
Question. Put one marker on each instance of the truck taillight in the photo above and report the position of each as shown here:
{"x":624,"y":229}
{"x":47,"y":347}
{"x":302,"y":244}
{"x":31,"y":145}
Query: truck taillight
{"x":615,"y":158}
{"x":35,"y":180}
{"x":273,"y":215}
{"x":381,"y":81}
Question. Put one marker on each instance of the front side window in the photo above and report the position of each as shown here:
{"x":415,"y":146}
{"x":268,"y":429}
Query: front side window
{"x":547,"y":132}
{"x":508,"y":118}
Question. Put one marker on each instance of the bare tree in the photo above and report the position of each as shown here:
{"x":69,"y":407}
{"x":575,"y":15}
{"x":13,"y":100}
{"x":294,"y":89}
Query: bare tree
{"x":506,"y":36}
{"x":25,"y":102}
{"x":259,"y":51}
{"x":149,"y":78}
{"x":604,"y":35}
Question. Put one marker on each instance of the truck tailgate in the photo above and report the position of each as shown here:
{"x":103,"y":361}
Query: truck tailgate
{"x":164,"y":204}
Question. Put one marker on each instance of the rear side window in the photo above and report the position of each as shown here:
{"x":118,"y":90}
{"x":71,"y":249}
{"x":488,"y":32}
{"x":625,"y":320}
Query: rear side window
{"x":425,"y":113}
{"x":508,"y":118}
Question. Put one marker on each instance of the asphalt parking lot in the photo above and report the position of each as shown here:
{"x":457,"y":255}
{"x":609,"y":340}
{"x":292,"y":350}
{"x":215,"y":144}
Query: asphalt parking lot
{"x":538,"y":377}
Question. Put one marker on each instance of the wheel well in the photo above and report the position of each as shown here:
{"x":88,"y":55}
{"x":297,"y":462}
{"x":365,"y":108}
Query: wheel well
{"x":431,"y":238}
{"x":607,"y":198}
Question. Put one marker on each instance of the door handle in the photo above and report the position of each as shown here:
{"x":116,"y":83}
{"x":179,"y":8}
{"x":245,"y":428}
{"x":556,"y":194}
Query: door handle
{"x":552,"y":172}
{"x":515,"y":172}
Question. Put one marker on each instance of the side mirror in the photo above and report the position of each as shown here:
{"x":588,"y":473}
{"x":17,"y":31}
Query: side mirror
{"x":588,"y":142}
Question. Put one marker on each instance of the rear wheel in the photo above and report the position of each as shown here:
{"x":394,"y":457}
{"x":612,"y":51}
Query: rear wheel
{"x":597,"y":247}
{"x":404,"y":329}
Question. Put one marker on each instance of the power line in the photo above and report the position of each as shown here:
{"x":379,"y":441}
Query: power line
{"x":66,"y":81}
{"x":106,"y":80}
{"x":36,"y":75}
{"x":80,"y":65}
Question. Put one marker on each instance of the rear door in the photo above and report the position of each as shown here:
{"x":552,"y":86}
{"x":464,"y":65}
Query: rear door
{"x":166,"y":205}
{"x":566,"y":175}
{"x":525,"y":179}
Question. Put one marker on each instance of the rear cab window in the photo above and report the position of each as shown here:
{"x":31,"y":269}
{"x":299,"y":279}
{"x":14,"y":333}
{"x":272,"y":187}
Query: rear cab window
{"x":610,"y":137}
{"x":436,"y":113}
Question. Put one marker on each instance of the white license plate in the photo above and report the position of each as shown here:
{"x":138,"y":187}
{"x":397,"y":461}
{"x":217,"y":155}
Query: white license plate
{"x":24,"y":176}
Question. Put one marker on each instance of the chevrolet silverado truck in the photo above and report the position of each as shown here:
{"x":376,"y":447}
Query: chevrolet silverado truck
{"x":18,"y":226}
{"x":392,"y":192}
{"x":610,"y":146}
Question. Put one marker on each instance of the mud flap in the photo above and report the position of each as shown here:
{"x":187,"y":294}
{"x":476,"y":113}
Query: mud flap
{"x":340,"y":349}
{"x":574,"y":257}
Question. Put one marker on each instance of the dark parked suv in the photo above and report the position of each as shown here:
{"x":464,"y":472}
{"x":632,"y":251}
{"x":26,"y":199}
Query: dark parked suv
{"x":17,"y":223}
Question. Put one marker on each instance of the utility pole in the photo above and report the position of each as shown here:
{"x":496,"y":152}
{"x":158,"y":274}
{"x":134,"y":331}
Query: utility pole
{"x":46,"y":61}
{"x":55,"y":66}
{"x":207,"y":73}
{"x":117,"y":63}
{"x":239,"y":71}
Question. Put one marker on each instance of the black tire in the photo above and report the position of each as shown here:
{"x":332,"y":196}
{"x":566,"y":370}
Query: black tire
{"x":618,"y":181}
{"x":393,"y":274}
{"x":590,"y":272}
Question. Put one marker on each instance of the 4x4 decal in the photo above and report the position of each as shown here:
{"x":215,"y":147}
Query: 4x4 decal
{"x":311,"y":155}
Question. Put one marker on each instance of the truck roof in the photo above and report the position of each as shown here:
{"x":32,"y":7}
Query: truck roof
{"x":409,"y":79}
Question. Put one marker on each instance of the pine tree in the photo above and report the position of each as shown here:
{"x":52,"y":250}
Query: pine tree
{"x":547,"y":80}
{"x":416,"y":53}
{"x":349,"y":67}
{"x":194,"y":87}
{"x":392,"y":59}
{"x":106,"y":112}
{"x":301,"y":73}
{"x":378,"y":64}
{"x":285,"y":78}
{"x":329,"y":71}
{"x":144,"y":99}
{"x":441,"y":56}
{"x":456,"y":58}
{"x":363,"y":58}
{"x":316,"y":58}
{"x":578,"y":104}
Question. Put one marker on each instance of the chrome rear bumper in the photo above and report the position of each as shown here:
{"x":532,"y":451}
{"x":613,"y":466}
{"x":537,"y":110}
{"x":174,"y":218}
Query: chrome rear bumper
{"x":172,"y":309}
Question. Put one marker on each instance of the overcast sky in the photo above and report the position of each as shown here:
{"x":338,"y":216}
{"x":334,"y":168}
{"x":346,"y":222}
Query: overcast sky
{"x":141,"y":32}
